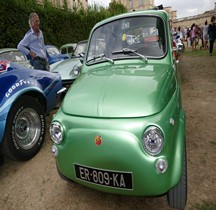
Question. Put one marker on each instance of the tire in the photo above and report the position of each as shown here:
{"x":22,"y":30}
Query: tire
{"x":1,"y":160}
{"x":25,"y":129}
{"x":177,"y":196}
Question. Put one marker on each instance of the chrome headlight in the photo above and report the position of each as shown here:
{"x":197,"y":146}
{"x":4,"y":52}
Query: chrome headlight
{"x":153,"y":140}
{"x":161,"y":166}
{"x":76,"y":70}
{"x":56,"y":132}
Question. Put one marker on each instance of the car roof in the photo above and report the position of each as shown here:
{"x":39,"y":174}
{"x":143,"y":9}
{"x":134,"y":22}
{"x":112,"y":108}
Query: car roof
{"x":8,"y":49}
{"x":83,"y":41}
{"x":161,"y":13}
{"x":50,"y":45}
{"x":69,"y":44}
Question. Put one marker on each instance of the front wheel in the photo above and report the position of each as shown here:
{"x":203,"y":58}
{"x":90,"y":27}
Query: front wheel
{"x":177,"y":196}
{"x":25,"y":129}
{"x":1,"y":159}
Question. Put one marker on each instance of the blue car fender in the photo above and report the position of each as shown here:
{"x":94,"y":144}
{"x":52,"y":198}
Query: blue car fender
{"x":37,"y":83}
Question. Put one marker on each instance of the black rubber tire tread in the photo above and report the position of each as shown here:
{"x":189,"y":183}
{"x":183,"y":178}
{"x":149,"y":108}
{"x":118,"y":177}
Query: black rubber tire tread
{"x":177,"y":196}
{"x":1,"y":160}
{"x":8,"y":148}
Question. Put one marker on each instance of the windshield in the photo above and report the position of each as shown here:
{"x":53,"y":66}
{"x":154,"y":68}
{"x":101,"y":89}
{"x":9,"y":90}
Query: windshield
{"x":14,"y":56}
{"x":53,"y":51}
{"x":80,"y":48}
{"x":143,"y":34}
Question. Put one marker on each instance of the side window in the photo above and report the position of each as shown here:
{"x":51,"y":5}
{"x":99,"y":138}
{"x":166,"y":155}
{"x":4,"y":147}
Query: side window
{"x":63,"y":51}
{"x":70,"y":49}
{"x":161,"y":34}
{"x":131,"y":4}
{"x":7,"y":56}
{"x":141,"y":2}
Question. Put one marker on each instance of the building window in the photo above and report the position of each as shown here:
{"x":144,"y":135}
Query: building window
{"x":131,"y":4}
{"x":141,"y":2}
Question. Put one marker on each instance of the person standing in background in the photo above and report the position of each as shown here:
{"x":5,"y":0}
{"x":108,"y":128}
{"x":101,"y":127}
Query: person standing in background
{"x":212,"y":34}
{"x":188,"y":37}
{"x":32,"y":45}
{"x":193,"y":36}
{"x":205,"y":35}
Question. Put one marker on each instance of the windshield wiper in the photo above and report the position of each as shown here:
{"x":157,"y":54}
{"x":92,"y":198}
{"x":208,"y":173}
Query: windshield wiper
{"x":127,"y":50}
{"x":101,"y":56}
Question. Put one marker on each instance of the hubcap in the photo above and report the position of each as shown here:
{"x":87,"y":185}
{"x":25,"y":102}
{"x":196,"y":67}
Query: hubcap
{"x":27,"y":128}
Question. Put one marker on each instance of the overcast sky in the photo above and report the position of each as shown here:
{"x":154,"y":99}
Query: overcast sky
{"x":184,"y":8}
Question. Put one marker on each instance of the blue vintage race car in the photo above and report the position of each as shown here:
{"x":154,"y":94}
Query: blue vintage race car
{"x":26,"y":97}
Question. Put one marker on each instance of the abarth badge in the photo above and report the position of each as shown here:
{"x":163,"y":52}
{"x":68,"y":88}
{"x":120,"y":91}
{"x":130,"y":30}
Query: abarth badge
{"x":98,"y":140}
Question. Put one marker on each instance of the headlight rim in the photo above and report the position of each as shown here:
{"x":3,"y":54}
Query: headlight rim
{"x":76,"y":68}
{"x":53,"y":137}
{"x":160,"y":132}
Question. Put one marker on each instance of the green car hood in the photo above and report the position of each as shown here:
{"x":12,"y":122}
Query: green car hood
{"x":121,"y":91}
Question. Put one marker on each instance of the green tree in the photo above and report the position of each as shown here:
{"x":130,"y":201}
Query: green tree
{"x":59,"y":25}
{"x":116,"y":8}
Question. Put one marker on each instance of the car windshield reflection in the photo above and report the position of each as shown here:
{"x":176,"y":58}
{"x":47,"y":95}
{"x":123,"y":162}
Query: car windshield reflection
{"x":144,"y":36}
{"x":53,"y":51}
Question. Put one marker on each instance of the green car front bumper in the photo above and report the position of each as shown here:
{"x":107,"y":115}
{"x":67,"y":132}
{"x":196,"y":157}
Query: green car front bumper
{"x":108,"y":155}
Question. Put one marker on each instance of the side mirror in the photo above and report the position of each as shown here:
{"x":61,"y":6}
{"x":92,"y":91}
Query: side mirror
{"x":82,"y":57}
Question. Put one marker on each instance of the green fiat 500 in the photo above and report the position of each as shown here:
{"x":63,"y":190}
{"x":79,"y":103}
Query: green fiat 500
{"x":121,"y":126}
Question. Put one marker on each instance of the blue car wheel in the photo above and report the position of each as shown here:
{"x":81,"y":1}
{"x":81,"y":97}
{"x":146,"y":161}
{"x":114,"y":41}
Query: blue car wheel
{"x":25,"y":129}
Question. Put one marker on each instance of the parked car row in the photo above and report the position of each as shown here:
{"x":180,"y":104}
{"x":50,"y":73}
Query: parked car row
{"x":27,"y":96}
{"x":14,"y":55}
{"x":68,"y":49}
{"x":67,"y":64}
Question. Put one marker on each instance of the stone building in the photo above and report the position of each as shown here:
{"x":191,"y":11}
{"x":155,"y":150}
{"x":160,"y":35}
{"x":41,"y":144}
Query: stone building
{"x":71,"y":4}
{"x":197,"y":19}
{"x":144,"y":5}
{"x":132,"y":5}
{"x":172,"y":13}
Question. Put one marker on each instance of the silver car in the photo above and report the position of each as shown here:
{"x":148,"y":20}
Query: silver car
{"x":69,"y":69}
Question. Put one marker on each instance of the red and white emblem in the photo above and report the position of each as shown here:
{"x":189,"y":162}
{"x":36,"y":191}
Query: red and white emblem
{"x":98,"y":140}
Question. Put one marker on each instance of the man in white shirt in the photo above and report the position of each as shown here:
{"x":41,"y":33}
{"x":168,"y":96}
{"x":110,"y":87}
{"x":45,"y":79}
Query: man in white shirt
{"x":32,"y":45}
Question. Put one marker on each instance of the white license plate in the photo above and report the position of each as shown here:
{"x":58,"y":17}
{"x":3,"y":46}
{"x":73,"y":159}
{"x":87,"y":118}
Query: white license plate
{"x":114,"y":179}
